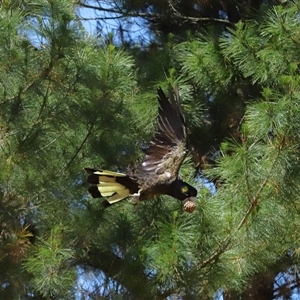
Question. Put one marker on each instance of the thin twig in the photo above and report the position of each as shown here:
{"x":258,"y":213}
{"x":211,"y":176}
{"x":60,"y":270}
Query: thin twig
{"x":153,"y":15}
{"x":50,"y":143}
{"x":80,"y":146}
{"x":226,"y":241}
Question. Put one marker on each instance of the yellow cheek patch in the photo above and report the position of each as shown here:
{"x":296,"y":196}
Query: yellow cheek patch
{"x":184,"y":189}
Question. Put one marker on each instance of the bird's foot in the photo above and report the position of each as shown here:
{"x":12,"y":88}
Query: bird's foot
{"x":135,"y":202}
{"x":136,"y":196}
{"x":135,"y":199}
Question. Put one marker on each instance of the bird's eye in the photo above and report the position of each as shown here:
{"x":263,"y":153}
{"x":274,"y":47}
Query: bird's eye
{"x":184,"y":189}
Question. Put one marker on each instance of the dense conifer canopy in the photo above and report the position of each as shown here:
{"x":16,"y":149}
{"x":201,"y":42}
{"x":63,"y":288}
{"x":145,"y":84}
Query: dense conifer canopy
{"x":70,"y":99}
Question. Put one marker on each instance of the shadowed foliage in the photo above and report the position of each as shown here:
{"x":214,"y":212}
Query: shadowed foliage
{"x":70,"y":100}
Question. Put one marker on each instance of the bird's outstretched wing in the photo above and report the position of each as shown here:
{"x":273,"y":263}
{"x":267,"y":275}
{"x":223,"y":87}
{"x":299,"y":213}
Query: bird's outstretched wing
{"x":167,"y":149}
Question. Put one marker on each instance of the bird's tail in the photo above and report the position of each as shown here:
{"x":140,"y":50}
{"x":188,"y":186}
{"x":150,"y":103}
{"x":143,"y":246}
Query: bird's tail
{"x":111,"y":185}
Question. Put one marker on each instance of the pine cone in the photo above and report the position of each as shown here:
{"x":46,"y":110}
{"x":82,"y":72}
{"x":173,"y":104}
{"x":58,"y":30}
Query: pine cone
{"x":189,"y":206}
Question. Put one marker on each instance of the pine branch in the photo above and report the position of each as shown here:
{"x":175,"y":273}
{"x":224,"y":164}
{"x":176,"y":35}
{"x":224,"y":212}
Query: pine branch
{"x":112,"y":265}
{"x":38,"y":119}
{"x":88,"y":134}
{"x":254,"y":202}
{"x":152,"y":16}
{"x":49,"y":144}
{"x":221,"y":249}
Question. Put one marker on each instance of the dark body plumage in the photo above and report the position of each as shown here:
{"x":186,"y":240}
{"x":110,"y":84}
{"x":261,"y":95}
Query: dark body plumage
{"x":158,"y":173}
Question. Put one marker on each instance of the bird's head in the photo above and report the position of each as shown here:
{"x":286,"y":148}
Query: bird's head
{"x":183,"y":191}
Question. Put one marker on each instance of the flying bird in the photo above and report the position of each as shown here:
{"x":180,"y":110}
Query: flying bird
{"x":158,"y":172}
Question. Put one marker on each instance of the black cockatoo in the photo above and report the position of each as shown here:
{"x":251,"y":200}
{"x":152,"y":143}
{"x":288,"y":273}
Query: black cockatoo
{"x":158,"y":173}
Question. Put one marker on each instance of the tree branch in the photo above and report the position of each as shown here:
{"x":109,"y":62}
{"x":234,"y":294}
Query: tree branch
{"x":114,"y":267}
{"x":152,"y":15}
{"x":89,"y":132}
{"x":254,"y":202}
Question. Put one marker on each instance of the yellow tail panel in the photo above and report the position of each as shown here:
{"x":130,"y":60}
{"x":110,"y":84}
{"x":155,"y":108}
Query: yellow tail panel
{"x":120,"y":195}
{"x":110,"y":189}
{"x":109,"y":173}
{"x":105,"y":185}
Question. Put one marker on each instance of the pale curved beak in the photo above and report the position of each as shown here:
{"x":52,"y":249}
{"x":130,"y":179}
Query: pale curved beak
{"x":192,"y":199}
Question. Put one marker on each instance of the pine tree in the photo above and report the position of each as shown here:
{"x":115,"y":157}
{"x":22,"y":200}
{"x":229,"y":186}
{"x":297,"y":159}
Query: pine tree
{"x":256,"y":171}
{"x":64,"y":105}
{"x":69,"y":100}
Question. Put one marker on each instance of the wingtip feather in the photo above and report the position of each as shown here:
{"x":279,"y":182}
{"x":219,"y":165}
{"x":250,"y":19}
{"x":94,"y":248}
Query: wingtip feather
{"x":94,"y":191}
{"x":92,"y":179}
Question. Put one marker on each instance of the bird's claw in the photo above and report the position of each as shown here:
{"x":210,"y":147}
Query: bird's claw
{"x":137,"y":195}
{"x":135,"y":199}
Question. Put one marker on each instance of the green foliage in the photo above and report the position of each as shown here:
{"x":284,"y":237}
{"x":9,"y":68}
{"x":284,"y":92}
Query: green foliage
{"x":164,"y":255}
{"x":69,"y":101}
{"x":203,"y":63}
{"x":63,"y":107}
{"x":50,"y":265}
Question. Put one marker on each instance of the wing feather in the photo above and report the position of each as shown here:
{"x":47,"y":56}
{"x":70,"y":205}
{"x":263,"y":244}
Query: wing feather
{"x":167,"y":149}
